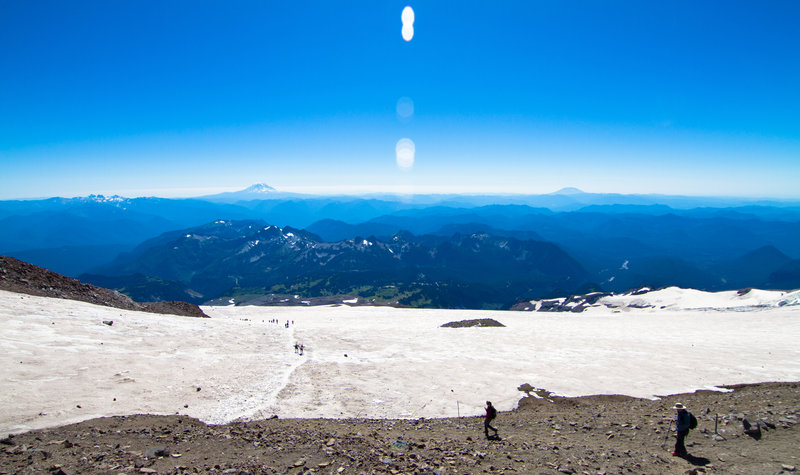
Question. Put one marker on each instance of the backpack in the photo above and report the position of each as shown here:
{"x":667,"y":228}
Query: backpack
{"x":492,"y":412}
{"x":692,"y":421}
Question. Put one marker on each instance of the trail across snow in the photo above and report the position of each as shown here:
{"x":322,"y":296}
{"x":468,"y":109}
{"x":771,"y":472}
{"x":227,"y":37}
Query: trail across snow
{"x":56,"y":355}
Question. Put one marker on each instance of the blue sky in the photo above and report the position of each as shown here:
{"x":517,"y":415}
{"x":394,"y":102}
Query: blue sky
{"x":183,"y":98}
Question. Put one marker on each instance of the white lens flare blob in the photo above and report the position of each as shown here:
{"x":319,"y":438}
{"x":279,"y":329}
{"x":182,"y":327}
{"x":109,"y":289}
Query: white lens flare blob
{"x":407,"y":17}
{"x":408,"y":33}
{"x":405,"y":109}
{"x":405,"y":151}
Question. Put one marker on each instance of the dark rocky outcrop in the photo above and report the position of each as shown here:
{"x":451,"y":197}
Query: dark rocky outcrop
{"x":575,"y":303}
{"x":479,"y":322}
{"x":21,"y":277}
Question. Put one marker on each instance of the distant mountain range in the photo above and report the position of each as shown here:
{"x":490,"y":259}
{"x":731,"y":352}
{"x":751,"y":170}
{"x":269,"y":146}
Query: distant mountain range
{"x":607,"y":242}
{"x":234,"y":257}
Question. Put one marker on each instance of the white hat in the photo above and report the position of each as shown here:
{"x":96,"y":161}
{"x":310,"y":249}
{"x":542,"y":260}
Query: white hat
{"x":678,"y":406}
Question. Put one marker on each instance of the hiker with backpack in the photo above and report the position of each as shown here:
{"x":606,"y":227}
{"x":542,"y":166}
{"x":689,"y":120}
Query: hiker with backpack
{"x":491,"y":413}
{"x":684,"y":421}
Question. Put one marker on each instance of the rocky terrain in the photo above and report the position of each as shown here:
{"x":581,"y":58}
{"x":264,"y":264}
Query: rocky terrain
{"x":671,"y":298}
{"x":294,"y":300}
{"x":475,"y":322}
{"x":21,"y":277}
{"x":544,"y":435}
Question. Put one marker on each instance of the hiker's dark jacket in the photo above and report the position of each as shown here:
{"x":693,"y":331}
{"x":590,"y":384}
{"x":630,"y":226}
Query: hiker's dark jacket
{"x":682,"y":420}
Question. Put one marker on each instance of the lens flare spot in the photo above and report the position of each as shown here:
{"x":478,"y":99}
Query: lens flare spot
{"x":407,"y":17}
{"x":408,"y":33}
{"x":405,"y":151}
{"x":405,"y":109}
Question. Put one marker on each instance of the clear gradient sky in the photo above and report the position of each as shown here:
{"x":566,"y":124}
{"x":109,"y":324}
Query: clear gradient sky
{"x":179,"y":98}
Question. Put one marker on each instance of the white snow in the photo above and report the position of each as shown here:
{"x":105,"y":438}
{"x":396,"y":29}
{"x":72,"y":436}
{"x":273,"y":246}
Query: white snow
{"x":57,"y":354}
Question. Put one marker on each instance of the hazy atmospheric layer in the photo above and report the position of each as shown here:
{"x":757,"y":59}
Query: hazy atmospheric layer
{"x":60,"y":363}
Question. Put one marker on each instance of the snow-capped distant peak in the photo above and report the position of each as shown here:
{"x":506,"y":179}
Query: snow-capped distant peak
{"x":570,"y":190}
{"x":259,"y":188}
{"x":105,"y":199}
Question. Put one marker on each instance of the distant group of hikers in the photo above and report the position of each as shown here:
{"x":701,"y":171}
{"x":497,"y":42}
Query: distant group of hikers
{"x":684,"y":422}
{"x":299,"y":348}
{"x":275,"y":320}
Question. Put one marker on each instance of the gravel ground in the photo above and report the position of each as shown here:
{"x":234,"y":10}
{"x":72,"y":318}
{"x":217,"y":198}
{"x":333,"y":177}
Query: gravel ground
{"x":547,"y":435}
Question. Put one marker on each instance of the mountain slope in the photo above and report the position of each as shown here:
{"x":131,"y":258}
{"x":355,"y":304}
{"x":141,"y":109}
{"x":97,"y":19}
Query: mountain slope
{"x":22,"y":277}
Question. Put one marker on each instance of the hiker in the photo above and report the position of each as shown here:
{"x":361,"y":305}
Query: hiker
{"x":491,"y":413}
{"x":296,"y":347}
{"x":682,"y":422}
{"x":302,"y":348}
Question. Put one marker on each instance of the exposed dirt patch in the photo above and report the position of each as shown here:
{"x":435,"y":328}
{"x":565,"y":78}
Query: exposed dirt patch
{"x":594,"y":434}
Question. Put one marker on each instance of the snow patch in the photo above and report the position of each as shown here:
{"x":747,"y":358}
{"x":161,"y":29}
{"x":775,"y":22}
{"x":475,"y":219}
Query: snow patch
{"x":154,"y":363}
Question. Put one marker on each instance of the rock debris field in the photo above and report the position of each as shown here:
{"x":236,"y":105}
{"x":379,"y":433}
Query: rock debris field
{"x":390,"y":390}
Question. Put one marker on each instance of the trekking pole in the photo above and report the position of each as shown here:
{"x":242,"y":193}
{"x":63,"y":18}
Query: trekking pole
{"x":423,"y":406}
{"x":667,"y":436}
{"x":458,"y":409}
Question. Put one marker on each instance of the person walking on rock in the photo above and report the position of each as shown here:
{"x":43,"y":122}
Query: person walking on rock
{"x":682,"y":423}
{"x":491,"y":413}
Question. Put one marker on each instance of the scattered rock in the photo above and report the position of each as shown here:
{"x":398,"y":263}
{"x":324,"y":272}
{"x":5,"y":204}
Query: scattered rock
{"x":400,"y":445}
{"x":159,"y":451}
{"x":753,"y":430}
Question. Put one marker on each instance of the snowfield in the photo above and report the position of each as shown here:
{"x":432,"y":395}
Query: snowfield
{"x":60,"y":363}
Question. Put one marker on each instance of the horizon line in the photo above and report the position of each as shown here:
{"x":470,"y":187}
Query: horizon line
{"x":353,"y":192}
